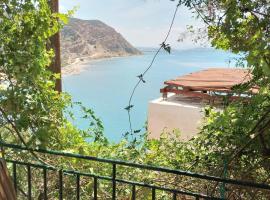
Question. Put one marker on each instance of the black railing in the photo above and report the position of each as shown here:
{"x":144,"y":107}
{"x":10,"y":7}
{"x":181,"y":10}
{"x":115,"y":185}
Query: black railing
{"x":113,"y":178}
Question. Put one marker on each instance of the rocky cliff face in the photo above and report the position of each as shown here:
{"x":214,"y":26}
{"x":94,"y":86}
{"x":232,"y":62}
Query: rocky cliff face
{"x":92,"y":39}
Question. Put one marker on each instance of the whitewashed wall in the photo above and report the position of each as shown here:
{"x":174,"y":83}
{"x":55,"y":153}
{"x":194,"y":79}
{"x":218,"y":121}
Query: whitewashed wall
{"x":174,"y":114}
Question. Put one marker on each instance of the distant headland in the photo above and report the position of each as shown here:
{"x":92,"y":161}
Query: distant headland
{"x":85,"y":40}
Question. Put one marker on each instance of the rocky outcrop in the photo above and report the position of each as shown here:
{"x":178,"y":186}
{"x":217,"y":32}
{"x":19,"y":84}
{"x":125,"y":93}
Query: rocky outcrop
{"x":92,"y":39}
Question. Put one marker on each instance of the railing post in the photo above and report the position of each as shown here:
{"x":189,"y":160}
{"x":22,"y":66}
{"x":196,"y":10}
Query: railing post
{"x":223,"y":185}
{"x":15,"y":176}
{"x":95,"y":188}
{"x":45,"y":183}
{"x":153,"y":194}
{"x":174,"y":196}
{"x":60,"y":185}
{"x":133,"y":192}
{"x":29,"y":182}
{"x":114,"y":182}
{"x":78,"y":186}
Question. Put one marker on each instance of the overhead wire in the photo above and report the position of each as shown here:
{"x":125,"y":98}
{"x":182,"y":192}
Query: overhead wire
{"x":164,"y":46}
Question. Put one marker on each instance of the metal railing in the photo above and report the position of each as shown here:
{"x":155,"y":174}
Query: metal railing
{"x":113,"y":178}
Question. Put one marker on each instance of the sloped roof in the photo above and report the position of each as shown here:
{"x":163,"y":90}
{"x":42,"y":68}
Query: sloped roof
{"x":213,"y":79}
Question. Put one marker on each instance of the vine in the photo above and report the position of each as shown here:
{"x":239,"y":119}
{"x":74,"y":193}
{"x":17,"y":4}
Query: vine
{"x":141,"y":78}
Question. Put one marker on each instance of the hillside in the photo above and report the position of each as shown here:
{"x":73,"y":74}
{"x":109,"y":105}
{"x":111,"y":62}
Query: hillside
{"x":92,"y":39}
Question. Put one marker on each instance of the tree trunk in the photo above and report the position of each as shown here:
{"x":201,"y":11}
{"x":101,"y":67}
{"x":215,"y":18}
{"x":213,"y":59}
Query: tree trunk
{"x":55,"y":44}
{"x":7,"y":191}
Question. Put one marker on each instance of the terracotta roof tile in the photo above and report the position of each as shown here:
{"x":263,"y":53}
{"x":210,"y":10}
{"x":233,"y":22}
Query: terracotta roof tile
{"x":212,"y":79}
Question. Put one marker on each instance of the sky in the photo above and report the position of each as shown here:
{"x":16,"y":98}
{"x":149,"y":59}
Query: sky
{"x":144,"y":23}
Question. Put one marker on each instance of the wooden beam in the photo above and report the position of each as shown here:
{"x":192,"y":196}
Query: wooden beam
{"x":199,"y":94}
{"x":55,"y":44}
{"x":187,"y":93}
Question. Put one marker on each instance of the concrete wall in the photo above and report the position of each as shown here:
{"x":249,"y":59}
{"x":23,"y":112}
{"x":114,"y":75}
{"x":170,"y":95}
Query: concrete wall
{"x":172,"y":114}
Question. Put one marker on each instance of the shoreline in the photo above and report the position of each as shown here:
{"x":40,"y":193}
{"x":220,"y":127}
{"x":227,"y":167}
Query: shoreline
{"x":80,"y":64}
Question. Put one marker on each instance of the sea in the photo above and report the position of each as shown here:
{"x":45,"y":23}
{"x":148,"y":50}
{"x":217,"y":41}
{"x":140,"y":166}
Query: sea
{"x":105,"y":85}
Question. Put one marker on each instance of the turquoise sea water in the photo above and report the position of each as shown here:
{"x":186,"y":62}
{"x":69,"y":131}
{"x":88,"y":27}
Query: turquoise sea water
{"x":105,"y":85}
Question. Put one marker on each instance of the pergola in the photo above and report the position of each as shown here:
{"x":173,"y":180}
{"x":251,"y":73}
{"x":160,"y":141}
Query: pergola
{"x":210,"y":84}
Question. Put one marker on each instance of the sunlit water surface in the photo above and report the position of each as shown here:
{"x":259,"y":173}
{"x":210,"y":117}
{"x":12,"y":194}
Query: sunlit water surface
{"x":105,"y":85}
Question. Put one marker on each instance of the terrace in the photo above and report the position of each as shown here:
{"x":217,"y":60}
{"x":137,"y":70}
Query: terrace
{"x":184,"y":98}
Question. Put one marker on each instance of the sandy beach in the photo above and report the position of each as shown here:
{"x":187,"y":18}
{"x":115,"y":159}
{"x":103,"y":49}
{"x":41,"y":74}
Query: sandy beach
{"x":81,"y":63}
{"x":76,"y":67}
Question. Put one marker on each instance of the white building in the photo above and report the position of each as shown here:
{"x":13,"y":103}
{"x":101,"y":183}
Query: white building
{"x":184,"y":98}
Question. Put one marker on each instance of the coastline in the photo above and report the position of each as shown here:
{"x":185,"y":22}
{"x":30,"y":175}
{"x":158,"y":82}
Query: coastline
{"x":81,"y":63}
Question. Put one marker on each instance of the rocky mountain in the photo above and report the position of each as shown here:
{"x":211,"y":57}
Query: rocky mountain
{"x":92,"y":39}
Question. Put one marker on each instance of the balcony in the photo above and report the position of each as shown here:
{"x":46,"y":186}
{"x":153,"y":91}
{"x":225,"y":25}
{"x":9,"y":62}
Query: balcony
{"x":114,"y":179}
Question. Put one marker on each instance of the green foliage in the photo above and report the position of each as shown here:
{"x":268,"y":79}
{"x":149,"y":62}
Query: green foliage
{"x":27,"y":99}
{"x":239,"y":133}
{"x":30,"y":107}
